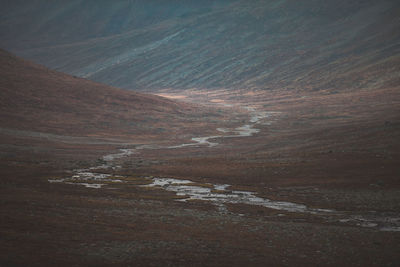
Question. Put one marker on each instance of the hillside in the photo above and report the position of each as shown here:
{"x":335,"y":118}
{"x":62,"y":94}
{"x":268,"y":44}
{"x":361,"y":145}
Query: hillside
{"x":268,"y":45}
{"x":34,"y":98}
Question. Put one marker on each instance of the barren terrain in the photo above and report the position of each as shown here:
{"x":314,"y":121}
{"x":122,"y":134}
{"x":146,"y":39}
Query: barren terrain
{"x":342,"y":166}
{"x":271,"y":136}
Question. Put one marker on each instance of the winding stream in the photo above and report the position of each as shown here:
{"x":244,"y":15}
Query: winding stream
{"x":81,"y":176}
{"x":219,"y":194}
{"x":242,"y":131}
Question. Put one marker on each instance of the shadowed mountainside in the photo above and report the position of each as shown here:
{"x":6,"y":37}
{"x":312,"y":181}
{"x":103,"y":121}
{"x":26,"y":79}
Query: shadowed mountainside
{"x":308,"y":45}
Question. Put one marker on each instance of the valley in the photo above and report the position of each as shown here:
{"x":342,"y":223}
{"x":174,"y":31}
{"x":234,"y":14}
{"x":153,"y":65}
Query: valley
{"x":199,"y":133}
{"x":100,"y":199}
{"x":112,"y":211}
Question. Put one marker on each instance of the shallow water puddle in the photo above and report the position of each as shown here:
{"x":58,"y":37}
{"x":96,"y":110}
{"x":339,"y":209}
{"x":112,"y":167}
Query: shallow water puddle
{"x":124,"y":153}
{"x":388,"y":223}
{"x":83,"y":176}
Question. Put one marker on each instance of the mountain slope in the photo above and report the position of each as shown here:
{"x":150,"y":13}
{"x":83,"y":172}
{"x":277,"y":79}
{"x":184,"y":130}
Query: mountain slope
{"x":310,"y":45}
{"x":34,"y":98}
{"x":82,"y":19}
